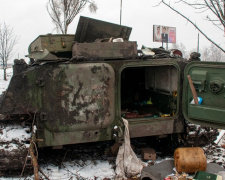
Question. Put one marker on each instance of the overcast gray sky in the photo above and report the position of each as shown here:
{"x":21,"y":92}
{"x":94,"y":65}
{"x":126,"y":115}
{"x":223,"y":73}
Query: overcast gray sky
{"x":29,"y":18}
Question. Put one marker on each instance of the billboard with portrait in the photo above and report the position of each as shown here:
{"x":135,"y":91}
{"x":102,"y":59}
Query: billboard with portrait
{"x":164,"y":34}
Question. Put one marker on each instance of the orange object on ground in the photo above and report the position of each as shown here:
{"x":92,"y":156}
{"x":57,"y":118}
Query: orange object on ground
{"x":190,"y":160}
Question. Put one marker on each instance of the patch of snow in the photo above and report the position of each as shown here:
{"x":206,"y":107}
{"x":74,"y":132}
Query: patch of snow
{"x":4,"y":84}
{"x":97,"y":170}
{"x":14,"y":133}
{"x":192,"y":132}
{"x":100,"y":169}
{"x":219,"y":136}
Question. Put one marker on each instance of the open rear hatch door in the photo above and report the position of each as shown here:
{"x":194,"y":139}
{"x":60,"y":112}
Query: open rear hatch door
{"x":209,"y":82}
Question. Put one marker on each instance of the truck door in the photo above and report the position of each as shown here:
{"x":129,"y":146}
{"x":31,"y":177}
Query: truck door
{"x":209,"y":82}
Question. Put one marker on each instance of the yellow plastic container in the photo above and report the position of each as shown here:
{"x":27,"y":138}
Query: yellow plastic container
{"x":190,"y":160}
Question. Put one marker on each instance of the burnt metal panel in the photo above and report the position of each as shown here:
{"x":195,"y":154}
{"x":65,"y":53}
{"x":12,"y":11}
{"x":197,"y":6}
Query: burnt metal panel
{"x":158,"y":126}
{"x":162,"y":78}
{"x":88,"y":30}
{"x":106,"y":50}
{"x":79,"y":97}
{"x":21,"y":96}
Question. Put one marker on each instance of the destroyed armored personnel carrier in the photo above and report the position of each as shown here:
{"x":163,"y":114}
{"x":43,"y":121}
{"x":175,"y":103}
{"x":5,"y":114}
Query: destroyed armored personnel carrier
{"x":77,"y":88}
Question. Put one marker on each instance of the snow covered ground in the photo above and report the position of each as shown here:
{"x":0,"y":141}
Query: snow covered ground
{"x":87,"y":169}
{"x":101,"y":170}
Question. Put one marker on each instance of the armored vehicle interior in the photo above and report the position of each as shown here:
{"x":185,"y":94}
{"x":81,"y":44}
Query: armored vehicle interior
{"x":149,"y":91}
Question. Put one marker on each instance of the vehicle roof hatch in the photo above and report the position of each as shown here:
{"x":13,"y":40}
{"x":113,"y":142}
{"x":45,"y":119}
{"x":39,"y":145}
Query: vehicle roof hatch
{"x":88,"y":30}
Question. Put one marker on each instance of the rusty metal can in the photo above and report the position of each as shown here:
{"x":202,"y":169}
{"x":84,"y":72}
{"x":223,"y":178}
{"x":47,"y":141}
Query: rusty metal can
{"x":190,"y":160}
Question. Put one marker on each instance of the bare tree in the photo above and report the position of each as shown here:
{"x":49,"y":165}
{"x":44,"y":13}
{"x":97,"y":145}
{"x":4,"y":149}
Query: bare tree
{"x":8,"y":40}
{"x":215,"y":13}
{"x":63,"y":12}
{"x":212,"y":53}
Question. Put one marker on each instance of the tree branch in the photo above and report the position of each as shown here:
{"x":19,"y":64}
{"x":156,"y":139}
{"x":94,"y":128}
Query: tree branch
{"x":217,"y":13}
{"x":63,"y":12}
{"x":194,"y":26}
